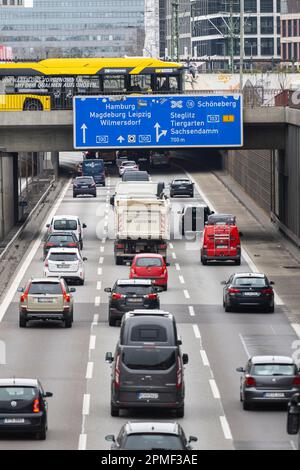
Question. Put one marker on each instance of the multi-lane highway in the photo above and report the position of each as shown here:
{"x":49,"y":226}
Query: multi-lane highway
{"x":70,"y":362}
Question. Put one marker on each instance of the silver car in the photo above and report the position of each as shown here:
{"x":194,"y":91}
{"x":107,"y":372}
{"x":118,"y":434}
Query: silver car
{"x":268,"y":379}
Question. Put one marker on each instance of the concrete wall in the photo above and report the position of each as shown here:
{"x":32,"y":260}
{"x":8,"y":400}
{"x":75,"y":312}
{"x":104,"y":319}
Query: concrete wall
{"x":7,"y":193}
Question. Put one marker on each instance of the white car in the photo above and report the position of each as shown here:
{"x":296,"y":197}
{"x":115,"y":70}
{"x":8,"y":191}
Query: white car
{"x":66,"y":263}
{"x":67,"y":223}
{"x":128,"y":165}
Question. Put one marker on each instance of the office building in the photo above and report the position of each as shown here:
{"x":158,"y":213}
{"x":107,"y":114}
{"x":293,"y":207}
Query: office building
{"x":175,"y":29}
{"x":74,"y":28}
{"x":290,"y":33}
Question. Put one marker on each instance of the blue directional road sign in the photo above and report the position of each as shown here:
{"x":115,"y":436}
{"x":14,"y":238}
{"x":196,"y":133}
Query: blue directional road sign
{"x":158,"y":121}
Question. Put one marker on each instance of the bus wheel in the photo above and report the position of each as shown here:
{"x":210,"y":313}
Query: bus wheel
{"x":32,"y":105}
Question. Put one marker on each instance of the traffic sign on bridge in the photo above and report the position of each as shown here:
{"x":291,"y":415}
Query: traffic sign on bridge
{"x":158,"y":121}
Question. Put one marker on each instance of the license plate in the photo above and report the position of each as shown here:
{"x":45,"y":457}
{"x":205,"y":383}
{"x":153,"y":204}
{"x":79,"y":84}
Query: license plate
{"x":275,"y":395}
{"x":45,"y":301}
{"x":222,"y":247}
{"x":62,"y":266}
{"x":251,"y":294}
{"x":182,"y":187}
{"x":133,"y":300}
{"x":84,"y":187}
{"x":14,"y":421}
{"x":147,"y":396}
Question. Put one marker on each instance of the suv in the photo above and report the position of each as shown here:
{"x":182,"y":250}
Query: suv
{"x":151,"y":435}
{"x":182,"y":187}
{"x":67,"y":223}
{"x":147,"y":368}
{"x":84,"y":185}
{"x":46,"y":299}
{"x":128,"y":294}
{"x":23,"y":407}
{"x":65,"y":262}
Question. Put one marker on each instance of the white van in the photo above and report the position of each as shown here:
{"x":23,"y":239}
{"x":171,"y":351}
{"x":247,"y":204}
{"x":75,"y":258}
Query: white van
{"x":67,"y":223}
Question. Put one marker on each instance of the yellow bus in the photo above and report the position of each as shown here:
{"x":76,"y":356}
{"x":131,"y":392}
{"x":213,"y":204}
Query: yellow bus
{"x":51,"y":83}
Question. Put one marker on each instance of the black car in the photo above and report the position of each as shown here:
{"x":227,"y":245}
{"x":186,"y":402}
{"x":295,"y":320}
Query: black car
{"x":84,"y":185}
{"x":23,"y":407}
{"x":149,"y":435}
{"x":182,"y":187}
{"x":60,"y":240}
{"x":248,"y":290}
{"x":293,"y":420}
{"x":127,"y":295}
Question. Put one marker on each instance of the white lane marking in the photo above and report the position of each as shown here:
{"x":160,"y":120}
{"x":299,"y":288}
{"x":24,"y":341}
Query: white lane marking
{"x":186,"y":294}
{"x":18,"y":278}
{"x":82,"y":442}
{"x":95,"y":320}
{"x":101,"y":249}
{"x":86,"y":404}
{"x":171,"y":246}
{"x":244,"y":345}
{"x":99,"y":271}
{"x":245,"y":254}
{"x":174,"y":256}
{"x":103,"y":240}
{"x":191,"y":311}
{"x":293,"y":445}
{"x":177,"y":266}
{"x":204,"y":358}
{"x":225,"y":427}
{"x":101,"y":259}
{"x":89,"y":371}
{"x":92,"y":344}
{"x":99,"y":285}
{"x":296,"y":328}
{"x":97,"y":301}
{"x":181,"y":279}
{"x":214,"y":389}
{"x":196,"y":331}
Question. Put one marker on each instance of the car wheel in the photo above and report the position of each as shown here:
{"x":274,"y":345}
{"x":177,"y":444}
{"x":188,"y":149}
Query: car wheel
{"x":271,"y":309}
{"x":68,"y":321}
{"x":22,"y":321}
{"x":238,"y":262}
{"x":75,"y":195}
{"x":41,"y":436}
{"x":114,"y":410}
{"x":81,"y":282}
{"x":118,"y":260}
{"x":227,"y":308}
{"x":192,"y":194}
{"x":165,"y":287}
{"x":247,"y":406}
{"x":111,"y":321}
{"x":180,"y":412}
{"x":204,"y":261}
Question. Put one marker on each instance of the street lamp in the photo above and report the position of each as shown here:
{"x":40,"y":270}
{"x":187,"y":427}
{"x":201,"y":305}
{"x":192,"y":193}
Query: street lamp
{"x":242,"y":33}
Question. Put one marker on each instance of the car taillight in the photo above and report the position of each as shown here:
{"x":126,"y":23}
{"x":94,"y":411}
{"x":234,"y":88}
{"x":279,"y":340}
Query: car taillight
{"x":152,"y":296}
{"x":36,"y":406}
{"x":72,"y":244}
{"x":162,"y":247}
{"x":119,"y":246}
{"x":116,"y":296}
{"x":46,"y":264}
{"x":268,"y":291}
{"x":296,"y":381}
{"x":66,"y":296}
{"x":232,"y":290}
{"x":24,"y":296}
{"x":117,"y":372}
{"x":179,"y":374}
{"x":250,"y":382}
{"x":50,"y":244}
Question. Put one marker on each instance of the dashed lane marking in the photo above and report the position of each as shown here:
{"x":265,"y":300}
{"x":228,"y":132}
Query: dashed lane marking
{"x":177,"y":266}
{"x":82,"y":442}
{"x":89,"y":371}
{"x":99,"y":285}
{"x":214,"y":389}
{"x":97,"y":301}
{"x":99,"y":271}
{"x":95,"y":320}
{"x":92,"y":344}
{"x":86,"y":404}
{"x":191,"y":311}
{"x":186,"y":294}
{"x":197,"y":331}
{"x":181,"y":279}
{"x":174,"y":256}
{"x":226,"y":428}
{"x":101,"y":259}
{"x":101,"y":249}
{"x":204,"y":358}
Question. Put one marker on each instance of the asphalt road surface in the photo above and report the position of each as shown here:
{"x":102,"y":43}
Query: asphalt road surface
{"x":70,"y":362}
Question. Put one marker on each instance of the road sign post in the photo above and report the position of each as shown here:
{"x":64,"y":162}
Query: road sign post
{"x":158,"y":121}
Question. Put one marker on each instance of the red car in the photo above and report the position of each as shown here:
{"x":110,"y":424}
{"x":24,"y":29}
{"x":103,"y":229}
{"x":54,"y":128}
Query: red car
{"x":150,"y":266}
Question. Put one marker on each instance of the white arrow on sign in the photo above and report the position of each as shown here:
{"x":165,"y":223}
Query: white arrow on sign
{"x":84,"y":128}
{"x":121,"y":139}
{"x":159,"y":135}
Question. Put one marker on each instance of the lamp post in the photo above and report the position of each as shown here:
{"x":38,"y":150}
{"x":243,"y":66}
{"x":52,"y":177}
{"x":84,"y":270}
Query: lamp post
{"x":242,"y":34}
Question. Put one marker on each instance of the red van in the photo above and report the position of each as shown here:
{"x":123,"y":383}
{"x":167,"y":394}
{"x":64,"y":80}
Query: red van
{"x":221,"y":242}
{"x":150,"y":266}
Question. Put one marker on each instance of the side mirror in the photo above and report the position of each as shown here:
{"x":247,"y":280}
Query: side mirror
{"x":84,"y":258}
{"x":179,"y":342}
{"x":112,"y":200}
{"x":48,"y":395}
{"x":185,"y":358}
{"x":240,"y":369}
{"x":84,"y":226}
{"x":168,"y":264}
{"x":72,"y":289}
{"x":110,"y":438}
{"x":223,"y":283}
{"x":212,"y":212}
{"x":241,"y":234}
{"x":272,"y":283}
{"x":193,"y":439}
{"x":109,"y":357}
{"x":20,"y":289}
{"x":48,"y":225}
{"x":108,"y":290}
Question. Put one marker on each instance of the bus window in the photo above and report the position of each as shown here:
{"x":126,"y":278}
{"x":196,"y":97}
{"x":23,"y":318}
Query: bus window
{"x":174,"y":83}
{"x":114,"y":83}
{"x":140,"y":82}
{"x":162,"y":84}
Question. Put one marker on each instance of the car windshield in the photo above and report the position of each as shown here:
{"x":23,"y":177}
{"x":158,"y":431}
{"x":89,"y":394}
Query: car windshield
{"x":148,"y":333}
{"x":128,"y":163}
{"x":181,"y":182}
{"x":148,"y":262}
{"x":61,"y":239}
{"x":153,"y":442}
{"x":250,"y":282}
{"x":63,"y":257}
{"x":17,"y":393}
{"x":134,"y":290}
{"x":84,"y":180}
{"x":148,"y":359}
{"x":221,"y":220}
{"x":274,"y":369}
{"x":37,"y":288}
{"x":64,"y":224}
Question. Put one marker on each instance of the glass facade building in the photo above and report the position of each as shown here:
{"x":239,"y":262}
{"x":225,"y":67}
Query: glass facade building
{"x":74,"y":28}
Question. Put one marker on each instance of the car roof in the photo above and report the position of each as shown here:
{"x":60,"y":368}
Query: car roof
{"x":134,"y":282}
{"x":129,"y":161}
{"x":260,"y":275}
{"x":47,"y":280}
{"x":65,"y":217}
{"x":149,"y":313}
{"x":181,"y":179}
{"x":19,"y":382}
{"x":139,"y":427}
{"x":61,"y":232}
{"x":272,"y":360}
{"x":148,"y":255}
{"x":64,"y":250}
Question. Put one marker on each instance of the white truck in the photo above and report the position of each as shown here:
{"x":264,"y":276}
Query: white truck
{"x":142,"y":220}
